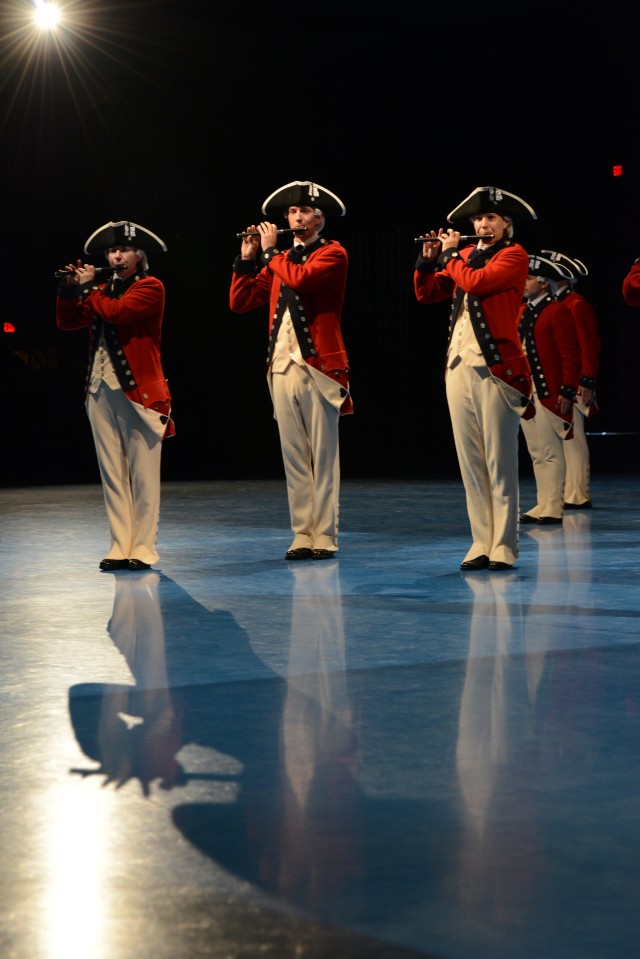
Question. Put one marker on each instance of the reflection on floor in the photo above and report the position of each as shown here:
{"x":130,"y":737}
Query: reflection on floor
{"x":377,"y":756}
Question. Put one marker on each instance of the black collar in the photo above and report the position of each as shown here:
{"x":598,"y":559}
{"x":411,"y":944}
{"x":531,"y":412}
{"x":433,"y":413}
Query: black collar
{"x":479,"y":258}
{"x":115,"y":287}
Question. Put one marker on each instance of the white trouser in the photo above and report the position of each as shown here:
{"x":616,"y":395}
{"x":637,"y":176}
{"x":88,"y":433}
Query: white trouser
{"x":546,"y":448}
{"x":576,"y":457}
{"x":485,"y":431}
{"x":308,"y":426}
{"x":128,"y":446}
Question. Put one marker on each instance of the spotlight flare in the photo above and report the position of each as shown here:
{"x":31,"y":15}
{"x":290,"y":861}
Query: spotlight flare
{"x":46,"y":15}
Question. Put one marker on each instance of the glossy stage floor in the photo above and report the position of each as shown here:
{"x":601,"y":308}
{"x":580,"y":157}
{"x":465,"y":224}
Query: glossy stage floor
{"x":377,"y":756}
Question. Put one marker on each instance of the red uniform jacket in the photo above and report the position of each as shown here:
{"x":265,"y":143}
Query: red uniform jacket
{"x":132,"y":325}
{"x":587,"y":330}
{"x":631,"y":286}
{"x":320,"y":281}
{"x":499,"y":287}
{"x":554,"y":355}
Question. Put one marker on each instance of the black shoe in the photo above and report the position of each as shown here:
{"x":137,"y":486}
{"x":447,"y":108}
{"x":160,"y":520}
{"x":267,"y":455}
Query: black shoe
{"x":138,"y":564}
{"x":586,"y":505}
{"x":111,"y":564}
{"x":549,"y":520}
{"x":324,"y":553}
{"x":528,"y":518}
{"x":495,"y":565}
{"x":302,"y":552}
{"x":480,"y":562}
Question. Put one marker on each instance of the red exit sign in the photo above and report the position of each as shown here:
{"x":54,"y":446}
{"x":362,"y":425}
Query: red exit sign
{"x":616,"y":169}
{"x":8,"y":328}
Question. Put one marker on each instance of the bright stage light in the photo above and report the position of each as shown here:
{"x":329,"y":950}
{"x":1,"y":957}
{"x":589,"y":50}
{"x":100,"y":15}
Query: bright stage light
{"x":46,"y":15}
{"x":51,"y":67}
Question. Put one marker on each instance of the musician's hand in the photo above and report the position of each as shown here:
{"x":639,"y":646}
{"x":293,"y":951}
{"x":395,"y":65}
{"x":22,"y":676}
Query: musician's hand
{"x":586,"y":395}
{"x":430,"y":247}
{"x":250,"y":244}
{"x":86,"y":272}
{"x":449,"y":240}
{"x":268,"y":235}
{"x":563,"y":405}
{"x":80,"y":272}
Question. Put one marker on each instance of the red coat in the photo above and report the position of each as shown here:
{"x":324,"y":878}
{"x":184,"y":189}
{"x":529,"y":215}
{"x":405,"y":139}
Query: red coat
{"x":557,"y":355}
{"x":588,"y":337}
{"x":321,"y":282}
{"x":136,"y":318}
{"x":499,"y":286}
{"x":631,"y":286}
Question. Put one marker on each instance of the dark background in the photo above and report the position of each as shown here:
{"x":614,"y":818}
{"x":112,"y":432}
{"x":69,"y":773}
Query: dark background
{"x":183,"y":117}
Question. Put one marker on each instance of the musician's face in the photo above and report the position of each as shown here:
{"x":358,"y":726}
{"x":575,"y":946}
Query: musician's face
{"x":123,"y":259}
{"x":534,"y":287}
{"x":305,"y":217}
{"x":490,"y":223}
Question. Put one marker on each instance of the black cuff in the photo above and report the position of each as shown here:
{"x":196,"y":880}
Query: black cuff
{"x":588,"y":382}
{"x":67,"y":291}
{"x":426,"y":266}
{"x":569,"y":392}
{"x":446,"y":255}
{"x":84,"y":291}
{"x":269,"y":253}
{"x":243,"y":267}
{"x":72,"y":291}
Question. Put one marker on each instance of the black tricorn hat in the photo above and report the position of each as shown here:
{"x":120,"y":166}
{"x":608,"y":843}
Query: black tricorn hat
{"x":123,"y":233}
{"x":303,"y":193}
{"x":575,"y":267}
{"x":551,"y":270}
{"x":491,"y":199}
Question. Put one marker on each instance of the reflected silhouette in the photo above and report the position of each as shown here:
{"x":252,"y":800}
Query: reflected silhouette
{"x":579,"y":549}
{"x":482,"y":744}
{"x":522,"y":679}
{"x":138,"y":730}
{"x":316,"y":723}
{"x":564,"y":571}
{"x":320,"y":795}
{"x":540,"y":630}
{"x":293,"y":824}
{"x":563,"y":616}
{"x":297,"y":828}
{"x":500,"y":857}
{"x":166,"y":637}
